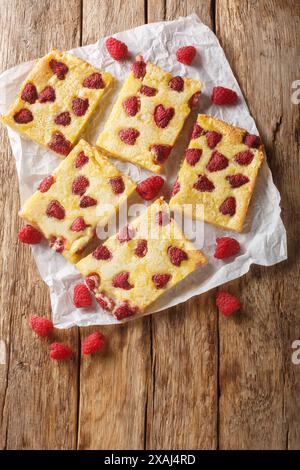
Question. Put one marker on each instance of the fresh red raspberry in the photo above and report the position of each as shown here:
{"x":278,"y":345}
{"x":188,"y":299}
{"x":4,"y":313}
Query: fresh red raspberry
{"x":141,"y":248}
{"x":160,"y":152}
{"x":102,"y":252}
{"x":244,"y":158}
{"x":162,"y":115}
{"x":121,"y":281}
{"x":129,"y":135}
{"x":46,"y":184}
{"x":59,"y":351}
{"x":139,"y":69}
{"x":41,"y":326}
{"x":125,"y":234}
{"x":81,"y":160}
{"x":162,"y":218}
{"x":226,"y":247}
{"x":252,"y":141}
{"x":132,"y":105}
{"x":30,"y":235}
{"x":93,"y":343}
{"x":194,"y":99}
{"x":80,"y":106}
{"x":92,"y":281}
{"x":150,"y":187}
{"x":125,"y":311}
{"x":105,"y":302}
{"x":78,"y":225}
{"x":117,"y":49}
{"x":29,"y":93}
{"x":186,"y":54}
{"x":47,"y":94}
{"x":176,"y":255}
{"x":213,"y":138}
{"x":57,"y":244}
{"x":217,"y":162}
{"x":80,"y":185}
{"x":237,"y":180}
{"x":228,"y":207}
{"x":56,"y":210}
{"x":192,"y":156}
{"x":94,"y":81}
{"x":176,"y":84}
{"x":161,"y":280}
{"x":227,"y":303}
{"x":117,"y":184}
{"x":223,"y":96}
{"x":87,"y":201}
{"x":60,"y":144}
{"x":203,"y":184}
{"x":197,"y":131}
{"x":82,"y":296}
{"x":24,"y":116}
{"x":59,"y":68}
{"x":176,"y":188}
{"x":63,"y":119}
{"x":148,"y":90}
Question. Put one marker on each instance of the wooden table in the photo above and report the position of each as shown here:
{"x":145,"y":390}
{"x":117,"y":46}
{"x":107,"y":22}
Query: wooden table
{"x":184,"y":378}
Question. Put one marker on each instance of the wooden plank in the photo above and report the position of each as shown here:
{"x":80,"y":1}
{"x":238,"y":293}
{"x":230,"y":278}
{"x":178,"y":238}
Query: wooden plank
{"x":182,"y":398}
{"x":113,"y":387}
{"x":259,"y":385}
{"x":38,"y":398}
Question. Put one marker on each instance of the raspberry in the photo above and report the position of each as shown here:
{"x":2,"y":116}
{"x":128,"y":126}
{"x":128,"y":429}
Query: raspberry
{"x":162,"y":218}
{"x":192,"y":156}
{"x":94,"y":81}
{"x":82,"y":296}
{"x":160,"y":152}
{"x":117,"y":49}
{"x":252,"y":141}
{"x":203,"y":184}
{"x":102,"y":252}
{"x":57,"y":244}
{"x":29,"y":93}
{"x":227,"y":303}
{"x":176,"y":255}
{"x":176,"y":83}
{"x":228,"y":207}
{"x":121,"y":281}
{"x":186,"y":54}
{"x":162,"y":115}
{"x":161,"y":280}
{"x":60,"y":144}
{"x":150,"y":187}
{"x":125,"y":311}
{"x":56,"y":210}
{"x":132,"y":105}
{"x":46,"y":184}
{"x":213,"y":138}
{"x":47,"y":94}
{"x":105,"y":302}
{"x":93,"y":343}
{"x":80,"y":185}
{"x":63,"y":119}
{"x":59,"y":68}
{"x":126,"y":233}
{"x":194,"y":99}
{"x":60,"y":351}
{"x":129,"y":135}
{"x":226,"y":247}
{"x":78,"y":225}
{"x":223,"y":96}
{"x":217,"y":162}
{"x":30,"y":235}
{"x":87,"y":201}
{"x":139,"y":69}
{"x":41,"y":326}
{"x":148,"y":90}
{"x":141,"y":248}
{"x":117,"y":184}
{"x":24,"y":116}
{"x":197,"y":131}
{"x":176,"y":187}
{"x":244,"y":158}
{"x":237,"y":180}
{"x":81,"y":160}
{"x":80,"y":106}
{"x":92,"y":281}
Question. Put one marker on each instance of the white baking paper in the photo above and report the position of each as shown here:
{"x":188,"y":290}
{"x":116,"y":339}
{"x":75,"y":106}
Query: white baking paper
{"x":264,"y":238}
